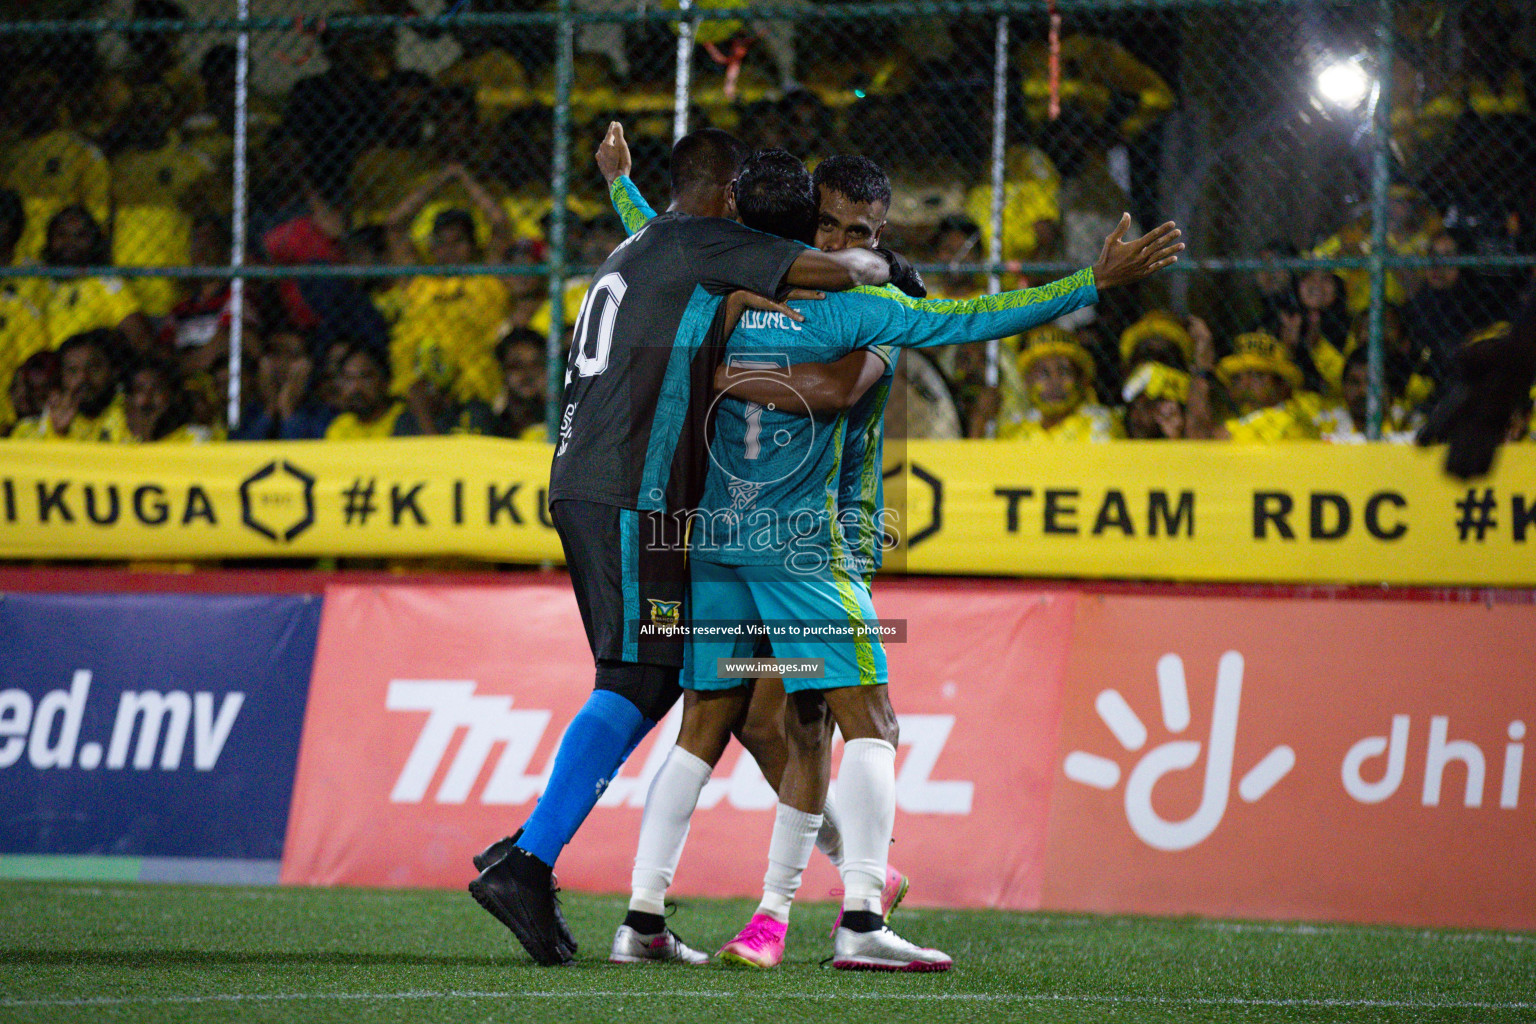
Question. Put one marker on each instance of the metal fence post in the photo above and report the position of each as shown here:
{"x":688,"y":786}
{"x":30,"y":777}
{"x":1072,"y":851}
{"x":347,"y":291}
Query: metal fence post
{"x":684,"y":71}
{"x":1381,"y":180}
{"x":565,"y":58}
{"x":238,"y":214}
{"x":999,"y":168}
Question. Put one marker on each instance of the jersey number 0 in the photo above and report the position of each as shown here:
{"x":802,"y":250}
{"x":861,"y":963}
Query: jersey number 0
{"x":594,"y":335}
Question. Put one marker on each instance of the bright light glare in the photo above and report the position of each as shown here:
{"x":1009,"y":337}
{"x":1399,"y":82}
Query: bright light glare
{"x":1343,"y":84}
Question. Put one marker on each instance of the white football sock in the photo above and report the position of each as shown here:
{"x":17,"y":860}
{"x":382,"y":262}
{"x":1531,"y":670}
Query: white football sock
{"x":789,"y":851}
{"x":830,"y":839}
{"x":867,"y":787}
{"x":669,"y":805}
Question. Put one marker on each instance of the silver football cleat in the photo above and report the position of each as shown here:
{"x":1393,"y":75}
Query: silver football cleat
{"x":883,"y":950}
{"x":630,"y":947}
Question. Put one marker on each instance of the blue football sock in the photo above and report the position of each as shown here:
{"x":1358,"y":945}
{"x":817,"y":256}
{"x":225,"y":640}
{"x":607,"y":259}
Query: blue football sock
{"x":600,"y":737}
{"x":641,"y":732}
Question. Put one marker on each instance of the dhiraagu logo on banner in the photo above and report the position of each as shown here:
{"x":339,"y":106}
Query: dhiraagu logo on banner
{"x":1179,"y":755}
{"x":1322,"y":759}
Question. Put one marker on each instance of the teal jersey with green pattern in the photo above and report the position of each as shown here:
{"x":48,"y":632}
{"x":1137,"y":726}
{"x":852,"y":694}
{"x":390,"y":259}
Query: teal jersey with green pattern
{"x":779,"y":483}
{"x":861,"y":489}
{"x":774,"y":490}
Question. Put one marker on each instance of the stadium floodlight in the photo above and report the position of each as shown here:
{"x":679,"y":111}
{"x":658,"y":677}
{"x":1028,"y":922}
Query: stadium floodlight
{"x":1343,"y":83}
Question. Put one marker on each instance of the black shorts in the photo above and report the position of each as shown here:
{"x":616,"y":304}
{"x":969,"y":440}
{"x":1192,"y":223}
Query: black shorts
{"x":630,"y":573}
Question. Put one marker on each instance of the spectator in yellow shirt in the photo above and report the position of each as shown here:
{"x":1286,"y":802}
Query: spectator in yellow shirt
{"x":1031,"y":206}
{"x":76,"y":304}
{"x":22,"y":331}
{"x":1099,"y":77}
{"x":445,"y":337}
{"x":149,"y":401}
{"x":458,"y":139}
{"x":1265,"y":387}
{"x":52,"y":167}
{"x":486,"y":64}
{"x":152,"y":176}
{"x":86,"y":406}
{"x":1317,"y":334}
{"x":1411,"y":225}
{"x":156,"y":408}
{"x":1058,"y":377}
{"x":362,"y":393}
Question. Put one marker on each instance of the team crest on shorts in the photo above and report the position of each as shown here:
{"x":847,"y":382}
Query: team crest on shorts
{"x":665,"y":613}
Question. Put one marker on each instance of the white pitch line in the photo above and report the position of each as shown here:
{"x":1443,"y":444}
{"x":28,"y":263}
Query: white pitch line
{"x":987,"y":997}
{"x":1514,"y":938}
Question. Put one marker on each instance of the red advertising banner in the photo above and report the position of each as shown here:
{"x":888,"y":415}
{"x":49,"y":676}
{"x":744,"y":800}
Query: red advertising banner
{"x":1354,"y":760}
{"x":435,"y":712}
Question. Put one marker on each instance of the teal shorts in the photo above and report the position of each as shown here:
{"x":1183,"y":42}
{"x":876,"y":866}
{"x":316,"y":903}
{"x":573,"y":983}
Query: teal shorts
{"x":828,"y":609}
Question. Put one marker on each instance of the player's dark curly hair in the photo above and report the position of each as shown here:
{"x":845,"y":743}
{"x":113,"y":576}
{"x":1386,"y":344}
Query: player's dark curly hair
{"x":856,"y":178}
{"x":774,"y":194}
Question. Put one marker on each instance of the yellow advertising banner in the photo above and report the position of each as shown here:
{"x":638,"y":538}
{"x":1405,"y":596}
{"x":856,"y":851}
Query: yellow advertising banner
{"x":407,"y":497}
{"x":1296,"y":513}
{"x":1292,"y":513}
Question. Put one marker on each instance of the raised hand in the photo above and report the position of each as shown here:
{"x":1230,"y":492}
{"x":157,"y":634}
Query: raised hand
{"x":60,"y":408}
{"x":739,"y":302}
{"x":903,"y":274}
{"x":613,"y":153}
{"x":1124,"y":262}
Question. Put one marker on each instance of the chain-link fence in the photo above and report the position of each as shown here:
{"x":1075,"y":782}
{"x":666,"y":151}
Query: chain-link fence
{"x":353,"y":222}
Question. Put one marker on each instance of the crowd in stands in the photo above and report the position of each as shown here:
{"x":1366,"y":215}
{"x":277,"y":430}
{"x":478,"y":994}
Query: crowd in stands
{"x":366,"y":163}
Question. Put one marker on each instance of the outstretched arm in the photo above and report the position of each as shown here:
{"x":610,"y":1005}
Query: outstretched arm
{"x":886,"y":318}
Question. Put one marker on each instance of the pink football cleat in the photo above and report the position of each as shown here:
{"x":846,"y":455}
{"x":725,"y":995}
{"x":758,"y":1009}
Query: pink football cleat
{"x":760,"y":944}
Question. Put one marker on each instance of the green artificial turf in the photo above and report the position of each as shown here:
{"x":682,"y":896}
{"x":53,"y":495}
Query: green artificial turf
{"x":72,"y":951}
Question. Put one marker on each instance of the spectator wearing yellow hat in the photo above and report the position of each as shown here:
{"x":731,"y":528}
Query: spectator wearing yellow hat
{"x":1263,"y":383}
{"x":1157,"y":337}
{"x":1155,"y":396}
{"x":1058,"y":378}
